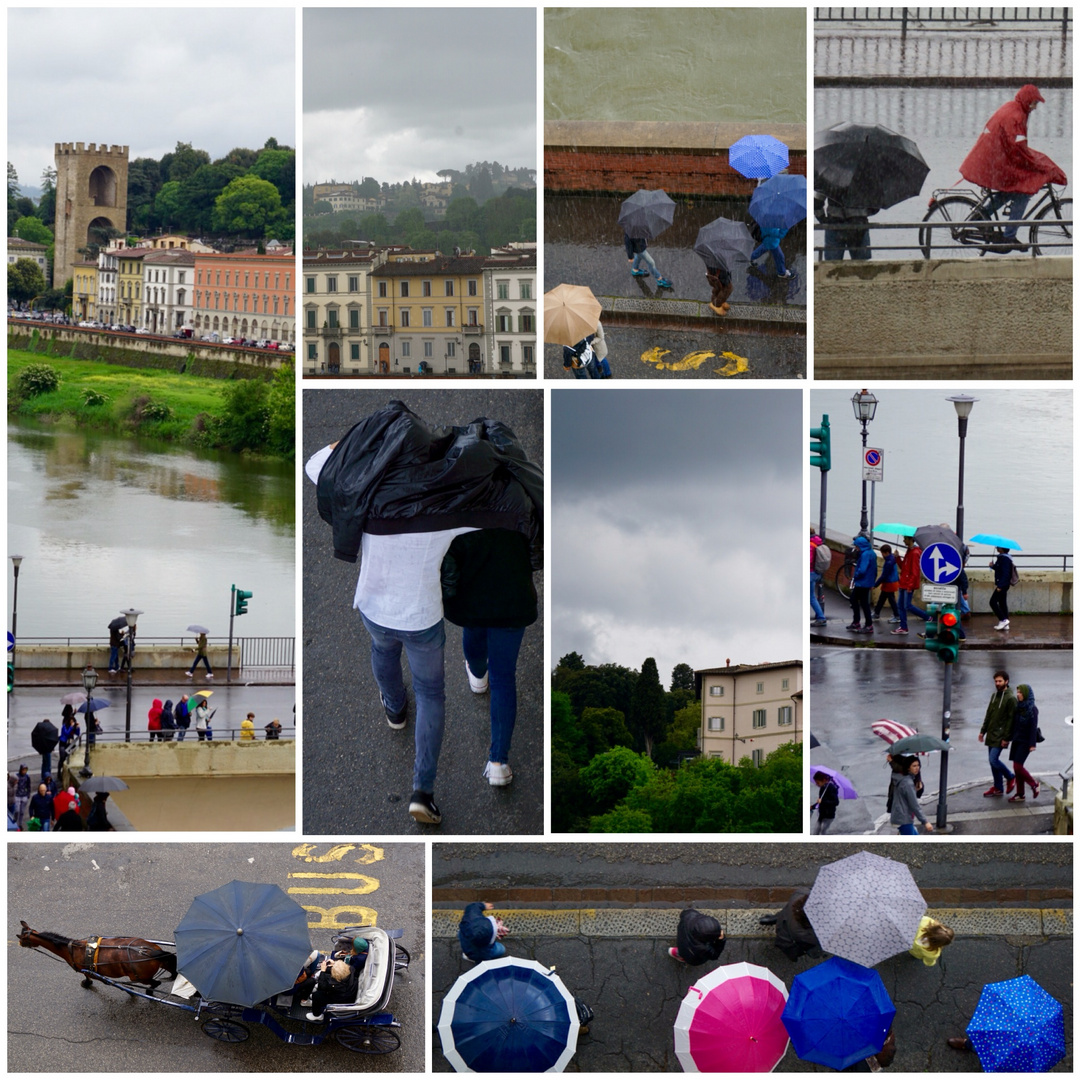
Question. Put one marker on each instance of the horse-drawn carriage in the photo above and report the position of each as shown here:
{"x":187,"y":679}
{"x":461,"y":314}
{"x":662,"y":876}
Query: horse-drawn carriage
{"x":240,"y":959}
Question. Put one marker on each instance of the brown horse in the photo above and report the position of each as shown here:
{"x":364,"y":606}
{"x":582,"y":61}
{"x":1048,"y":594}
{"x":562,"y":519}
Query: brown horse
{"x":116,"y":958}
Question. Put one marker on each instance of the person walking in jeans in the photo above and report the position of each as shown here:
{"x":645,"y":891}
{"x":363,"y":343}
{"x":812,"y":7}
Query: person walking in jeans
{"x":910,"y":576}
{"x":816,"y":576}
{"x":996,"y":732}
{"x":999,"y":598}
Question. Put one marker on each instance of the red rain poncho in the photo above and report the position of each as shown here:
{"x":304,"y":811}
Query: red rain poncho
{"x":1002,"y":159}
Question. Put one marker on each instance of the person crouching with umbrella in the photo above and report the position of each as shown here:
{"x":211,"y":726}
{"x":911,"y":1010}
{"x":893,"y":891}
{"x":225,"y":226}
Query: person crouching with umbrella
{"x":699,"y":939}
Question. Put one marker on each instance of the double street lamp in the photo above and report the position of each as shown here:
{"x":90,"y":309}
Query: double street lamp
{"x":865,"y":405}
{"x":89,"y":681}
{"x":130,"y":616}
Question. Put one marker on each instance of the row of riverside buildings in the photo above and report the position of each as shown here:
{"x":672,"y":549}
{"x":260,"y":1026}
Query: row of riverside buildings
{"x":394,"y":311}
{"x":171,"y":284}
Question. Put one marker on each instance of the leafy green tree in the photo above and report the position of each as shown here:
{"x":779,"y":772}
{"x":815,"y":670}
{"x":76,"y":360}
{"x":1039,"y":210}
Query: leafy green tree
{"x":12,"y":182}
{"x":25,"y":281}
{"x":240,"y":156}
{"x":566,"y":735}
{"x":462,"y":214}
{"x":184,"y":162}
{"x":682,"y":736}
{"x":322,"y":207}
{"x":647,"y":708}
{"x":246,"y":207}
{"x":374,"y":227}
{"x":369,"y":188}
{"x":622,"y":820}
{"x":246,"y":420}
{"x":569,"y":803}
{"x":682,"y":677}
{"x":481,"y":187}
{"x":46,"y":208}
{"x":279,"y":168}
{"x":33,"y":229}
{"x":167,"y":204}
{"x":198,"y":194}
{"x":281,"y":406}
{"x":144,"y":182}
{"x":603,"y":730}
{"x":610,"y":776}
{"x":409,"y":221}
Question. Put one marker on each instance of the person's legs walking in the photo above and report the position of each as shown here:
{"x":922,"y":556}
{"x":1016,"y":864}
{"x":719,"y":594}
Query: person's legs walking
{"x":815,"y":603}
{"x":386,"y":665}
{"x":424,"y":649}
{"x":778,"y":259}
{"x":901,"y":605}
{"x":504,"y":644}
{"x":1000,"y":770}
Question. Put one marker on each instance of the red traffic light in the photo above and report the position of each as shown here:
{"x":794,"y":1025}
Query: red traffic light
{"x":948,"y":618}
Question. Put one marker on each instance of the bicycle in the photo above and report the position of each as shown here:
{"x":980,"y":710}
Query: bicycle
{"x":846,"y":574}
{"x":962,"y":205}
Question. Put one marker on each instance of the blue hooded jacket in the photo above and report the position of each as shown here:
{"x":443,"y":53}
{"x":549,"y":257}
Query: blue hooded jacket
{"x":866,"y":569}
{"x":475,"y":931}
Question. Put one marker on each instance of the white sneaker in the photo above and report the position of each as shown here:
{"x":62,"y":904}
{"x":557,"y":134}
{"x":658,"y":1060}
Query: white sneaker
{"x":188,"y":674}
{"x":477,"y":686}
{"x":209,"y":674}
{"x":1003,"y":625}
{"x":498,"y":775}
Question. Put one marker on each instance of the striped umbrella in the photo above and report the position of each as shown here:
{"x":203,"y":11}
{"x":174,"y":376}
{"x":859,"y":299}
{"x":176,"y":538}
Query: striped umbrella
{"x":892,"y":731}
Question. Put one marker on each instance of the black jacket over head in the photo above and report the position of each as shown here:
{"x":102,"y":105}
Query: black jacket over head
{"x":487,"y":580}
{"x":698,"y":937}
{"x":392,"y":474}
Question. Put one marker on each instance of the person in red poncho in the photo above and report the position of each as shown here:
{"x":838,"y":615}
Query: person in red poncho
{"x":1002,"y":161}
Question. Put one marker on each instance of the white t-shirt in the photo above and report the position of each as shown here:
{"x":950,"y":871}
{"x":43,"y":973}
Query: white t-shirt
{"x":399,"y":585}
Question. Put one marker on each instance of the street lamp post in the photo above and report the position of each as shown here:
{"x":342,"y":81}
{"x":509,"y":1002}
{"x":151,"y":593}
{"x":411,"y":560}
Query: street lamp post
{"x":865,"y":405}
{"x":130,"y":615}
{"x":963,"y":405}
{"x":89,"y":681}
{"x":16,"y":562}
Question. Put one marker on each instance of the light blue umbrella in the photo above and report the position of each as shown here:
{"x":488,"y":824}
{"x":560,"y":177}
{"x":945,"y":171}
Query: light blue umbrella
{"x":895,"y":528}
{"x":995,"y":541}
{"x":758,"y":156}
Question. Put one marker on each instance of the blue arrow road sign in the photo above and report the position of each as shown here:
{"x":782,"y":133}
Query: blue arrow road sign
{"x":940,"y":564}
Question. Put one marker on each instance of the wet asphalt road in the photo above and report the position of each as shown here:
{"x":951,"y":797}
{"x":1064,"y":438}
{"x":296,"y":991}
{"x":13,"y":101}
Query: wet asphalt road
{"x":357,"y":771}
{"x":851,"y":688}
{"x":55,"y":1026}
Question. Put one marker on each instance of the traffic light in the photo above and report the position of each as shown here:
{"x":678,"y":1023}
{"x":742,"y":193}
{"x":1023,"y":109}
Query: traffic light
{"x":821,"y":446}
{"x":10,"y":677}
{"x":242,"y":598}
{"x":948,"y":635}
{"x":932,"y":642}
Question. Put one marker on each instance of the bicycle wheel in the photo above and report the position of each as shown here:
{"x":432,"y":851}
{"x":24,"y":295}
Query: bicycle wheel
{"x":957,"y":208}
{"x":1048,"y":226}
{"x":843,"y":579}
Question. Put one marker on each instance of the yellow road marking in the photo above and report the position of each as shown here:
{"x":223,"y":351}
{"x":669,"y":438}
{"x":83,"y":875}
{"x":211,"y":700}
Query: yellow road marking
{"x":334,"y":918}
{"x":653,"y":357}
{"x":369,"y":885}
{"x":736,"y":365}
{"x":371,"y":854}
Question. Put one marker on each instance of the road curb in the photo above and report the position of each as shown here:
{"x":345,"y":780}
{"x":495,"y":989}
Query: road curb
{"x":742,"y":922}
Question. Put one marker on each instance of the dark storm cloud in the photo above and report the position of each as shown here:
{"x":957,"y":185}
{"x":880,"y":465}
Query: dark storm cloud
{"x":217,"y":78}
{"x":393,"y":93}
{"x":677,"y":531}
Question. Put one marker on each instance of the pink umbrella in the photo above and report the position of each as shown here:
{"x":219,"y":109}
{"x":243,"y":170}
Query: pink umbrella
{"x":730,"y":1022}
{"x":891,"y":730}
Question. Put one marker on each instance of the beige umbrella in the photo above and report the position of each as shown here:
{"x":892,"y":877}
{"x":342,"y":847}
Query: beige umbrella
{"x":571,"y":313}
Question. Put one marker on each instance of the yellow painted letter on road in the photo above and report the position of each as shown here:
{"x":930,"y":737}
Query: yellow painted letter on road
{"x":369,"y":853}
{"x":338,"y":918}
{"x":736,"y":365}
{"x":654,"y":356}
{"x":691,"y":361}
{"x":369,"y":884}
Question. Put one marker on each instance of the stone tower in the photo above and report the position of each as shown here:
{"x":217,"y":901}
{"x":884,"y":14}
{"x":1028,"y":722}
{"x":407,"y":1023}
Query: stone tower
{"x":91,"y":192}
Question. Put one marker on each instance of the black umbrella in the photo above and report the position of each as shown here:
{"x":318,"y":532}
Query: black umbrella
{"x":646,"y":214}
{"x":813,"y":741}
{"x":103,"y":783}
{"x":925,"y":535}
{"x":723,"y":242}
{"x":118,"y":623}
{"x":44,"y":737}
{"x":242,"y":943}
{"x":867,"y":165}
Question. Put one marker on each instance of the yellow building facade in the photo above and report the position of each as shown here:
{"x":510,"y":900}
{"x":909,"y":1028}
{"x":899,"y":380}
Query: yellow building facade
{"x":129,"y":295}
{"x":84,"y":291}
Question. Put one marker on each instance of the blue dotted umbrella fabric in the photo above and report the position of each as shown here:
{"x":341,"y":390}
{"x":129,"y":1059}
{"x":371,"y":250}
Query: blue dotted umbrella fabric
{"x":1017,"y":1027}
{"x":758,"y":156}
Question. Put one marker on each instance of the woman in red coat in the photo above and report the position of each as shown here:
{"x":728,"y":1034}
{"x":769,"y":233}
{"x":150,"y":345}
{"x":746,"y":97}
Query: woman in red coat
{"x":1002,"y":161}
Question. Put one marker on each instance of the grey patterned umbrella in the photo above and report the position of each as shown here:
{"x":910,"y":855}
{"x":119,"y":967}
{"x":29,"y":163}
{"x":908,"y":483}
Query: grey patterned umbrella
{"x":865,"y":908}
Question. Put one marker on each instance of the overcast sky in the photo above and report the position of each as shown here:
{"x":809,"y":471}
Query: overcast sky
{"x":147,"y":79}
{"x":395,"y":93}
{"x":677,"y":526}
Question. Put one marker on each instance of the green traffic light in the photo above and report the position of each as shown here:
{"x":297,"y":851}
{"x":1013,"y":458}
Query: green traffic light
{"x":821,"y":446}
{"x":242,"y":597}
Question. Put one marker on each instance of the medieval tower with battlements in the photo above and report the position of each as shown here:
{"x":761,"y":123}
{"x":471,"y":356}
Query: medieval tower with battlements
{"x":91,"y":196}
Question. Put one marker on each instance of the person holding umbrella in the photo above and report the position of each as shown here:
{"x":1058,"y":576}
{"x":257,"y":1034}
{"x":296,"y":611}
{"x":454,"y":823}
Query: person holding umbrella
{"x":699,"y":938}
{"x":1003,"y":581}
{"x":827,"y":801}
{"x":572,"y":320}
{"x":643,"y":217}
{"x":776,"y":206}
{"x":200,"y":653}
{"x":850,"y":227}
{"x":116,"y":639}
{"x":720,"y":244}
{"x":795,"y":936}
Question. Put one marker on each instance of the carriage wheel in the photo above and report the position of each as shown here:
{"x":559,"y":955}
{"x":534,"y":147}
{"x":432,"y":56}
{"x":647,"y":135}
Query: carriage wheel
{"x":225,"y":1030}
{"x":368,"y":1038}
{"x":222,"y":1008}
{"x":402,"y":959}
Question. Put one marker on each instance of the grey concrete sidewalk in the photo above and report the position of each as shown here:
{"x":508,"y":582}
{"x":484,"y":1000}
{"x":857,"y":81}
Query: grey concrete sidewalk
{"x":1025,"y":631}
{"x":635,"y":988}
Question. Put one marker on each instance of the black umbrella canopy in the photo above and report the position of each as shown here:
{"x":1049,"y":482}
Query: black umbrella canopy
{"x":242,"y":943}
{"x":118,"y":623}
{"x":646,"y":214}
{"x":44,"y":737}
{"x":867,"y":165}
{"x":103,"y":783}
{"x":724,"y":242}
{"x":925,"y":535}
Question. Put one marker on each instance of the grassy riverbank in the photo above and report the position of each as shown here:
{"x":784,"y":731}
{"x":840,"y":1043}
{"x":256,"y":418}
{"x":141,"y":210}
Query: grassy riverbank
{"x":188,"y":409}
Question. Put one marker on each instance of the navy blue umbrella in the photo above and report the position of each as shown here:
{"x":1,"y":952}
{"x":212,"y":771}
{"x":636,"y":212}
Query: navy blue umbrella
{"x":1017,"y":1027}
{"x":838,"y":1013}
{"x":780,"y":202}
{"x":242,"y":943}
{"x":509,"y":1015}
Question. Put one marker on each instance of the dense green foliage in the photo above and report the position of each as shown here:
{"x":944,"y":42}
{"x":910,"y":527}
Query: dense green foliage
{"x":36,"y":379}
{"x":613,"y":776}
{"x":25,"y":281}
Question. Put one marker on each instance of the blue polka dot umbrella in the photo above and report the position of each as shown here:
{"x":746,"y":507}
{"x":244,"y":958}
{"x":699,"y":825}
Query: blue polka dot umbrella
{"x":758,"y":156}
{"x":1017,"y":1027}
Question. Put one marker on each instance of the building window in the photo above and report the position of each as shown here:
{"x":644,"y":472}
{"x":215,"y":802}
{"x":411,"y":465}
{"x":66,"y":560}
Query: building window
{"x":451,"y":349}
{"x":405,"y":316}
{"x":758,"y":758}
{"x":331,"y":316}
{"x":783,"y":716}
{"x":428,"y":352}
{"x":310,"y":283}
{"x":526,"y":324}
{"x":503,"y":324}
{"x":716,"y":691}
{"x":425,"y":288}
{"x":406,"y":349}
{"x":354,"y":351}
{"x":382,"y":288}
{"x":502,"y":290}
{"x":449,"y":287}
{"x":382,"y":317}
{"x":354,"y":319}
{"x":331,"y":284}
{"x":311,"y":318}
{"x":312,"y":351}
{"x":526,"y":290}
{"x":449,"y":316}
{"x":716,"y":723}
{"x":504,"y":354}
{"x":427,"y":316}
{"x":527,"y":354}
{"x":404,"y":289}
{"x":759,"y":718}
{"x":783,"y":684}
{"x":761,"y":688}
{"x":354,"y":284}
{"x":472,"y":287}
{"x":472,"y":316}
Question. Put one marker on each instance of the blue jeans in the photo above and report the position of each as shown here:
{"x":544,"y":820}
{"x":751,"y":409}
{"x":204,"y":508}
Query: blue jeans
{"x":819,"y":611}
{"x":837,"y":241}
{"x":905,"y":605}
{"x":644,"y":256}
{"x":205,"y":659}
{"x":114,"y":657}
{"x":908,"y":830}
{"x":777,"y":254}
{"x":998,"y":768}
{"x":424,"y":649}
{"x":495,"y":650}
{"x":1016,"y":210}
{"x":492,"y":952}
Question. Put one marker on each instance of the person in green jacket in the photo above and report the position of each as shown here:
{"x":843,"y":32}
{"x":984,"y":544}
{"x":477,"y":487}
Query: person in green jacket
{"x":996,"y":733}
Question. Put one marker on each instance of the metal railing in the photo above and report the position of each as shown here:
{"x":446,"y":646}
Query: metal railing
{"x":219,"y":734}
{"x":255,"y":652}
{"x":943,"y":249}
{"x":937,"y":18}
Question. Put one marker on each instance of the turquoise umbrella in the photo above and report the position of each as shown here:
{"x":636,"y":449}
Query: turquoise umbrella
{"x":896,"y":529}
{"x":995,"y":541}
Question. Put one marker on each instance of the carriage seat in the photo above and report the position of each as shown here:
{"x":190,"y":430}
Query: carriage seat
{"x":372,"y":981}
